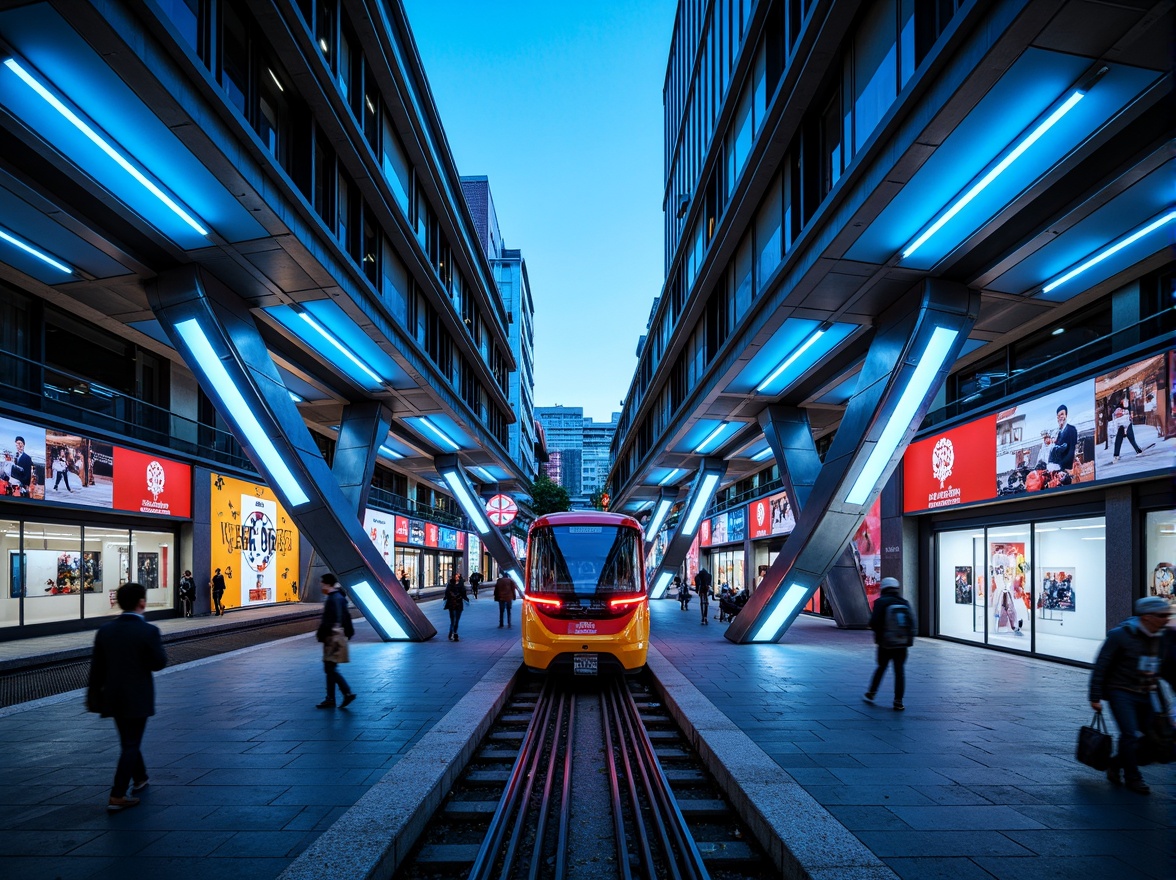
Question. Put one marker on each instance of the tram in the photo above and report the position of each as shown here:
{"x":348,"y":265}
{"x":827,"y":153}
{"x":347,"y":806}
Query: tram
{"x":585,"y":610}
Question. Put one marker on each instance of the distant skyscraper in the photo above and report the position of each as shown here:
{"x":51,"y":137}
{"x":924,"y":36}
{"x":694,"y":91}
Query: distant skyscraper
{"x":596,"y":459}
{"x":510,"y":274}
{"x":564,"y":427}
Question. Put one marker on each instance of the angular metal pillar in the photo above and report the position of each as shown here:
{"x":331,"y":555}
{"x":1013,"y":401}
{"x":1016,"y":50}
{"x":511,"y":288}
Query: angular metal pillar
{"x":364,"y":427}
{"x":791,"y":438}
{"x":451,"y":471}
{"x":917,"y":341}
{"x":219,"y":341}
{"x":706,"y":481}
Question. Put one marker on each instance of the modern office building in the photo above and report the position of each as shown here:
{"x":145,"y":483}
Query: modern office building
{"x":564,"y":429}
{"x":596,"y":460}
{"x":245,"y":318}
{"x":514,"y":286}
{"x":897,"y":221}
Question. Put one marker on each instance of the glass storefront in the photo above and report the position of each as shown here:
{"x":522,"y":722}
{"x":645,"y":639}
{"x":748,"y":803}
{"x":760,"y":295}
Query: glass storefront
{"x":727,"y":569}
{"x":1160,"y":531}
{"x":57,"y":572}
{"x":1034,"y":587}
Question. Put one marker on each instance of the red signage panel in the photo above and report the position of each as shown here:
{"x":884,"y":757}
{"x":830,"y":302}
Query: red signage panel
{"x":430,"y":534}
{"x":401,"y":530}
{"x":151,"y":484}
{"x":759,"y":519}
{"x":955,"y":467}
{"x":704,"y":533}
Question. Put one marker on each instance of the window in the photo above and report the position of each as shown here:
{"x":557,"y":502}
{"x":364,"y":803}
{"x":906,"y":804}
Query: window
{"x":235,"y":59}
{"x":395,"y":166}
{"x":395,"y":288}
{"x":273,"y":115}
{"x":875,"y":69}
{"x":767,"y":235}
{"x":831,"y":145}
{"x":185,"y":15}
{"x":324,"y":178}
{"x":743,"y":277}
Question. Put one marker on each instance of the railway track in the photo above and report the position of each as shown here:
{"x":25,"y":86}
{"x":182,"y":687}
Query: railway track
{"x":584,"y":781}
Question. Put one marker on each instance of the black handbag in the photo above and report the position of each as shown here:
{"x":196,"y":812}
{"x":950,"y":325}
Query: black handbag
{"x":1094,"y":744}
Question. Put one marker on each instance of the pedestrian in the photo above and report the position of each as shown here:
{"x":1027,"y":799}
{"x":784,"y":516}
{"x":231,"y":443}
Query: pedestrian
{"x":218,"y":591}
{"x":1125,"y":674}
{"x":187,"y":593}
{"x":126,"y":651}
{"x":702,"y":586}
{"x":683,"y":592}
{"x":504,"y":593}
{"x":335,"y":630}
{"x":893,"y":623}
{"x":475,"y":580}
{"x":456,"y":599}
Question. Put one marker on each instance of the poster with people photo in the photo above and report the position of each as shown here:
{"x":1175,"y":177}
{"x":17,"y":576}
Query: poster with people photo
{"x":964,"y":588}
{"x":78,"y":470}
{"x":22,"y":460}
{"x":1132,"y":412}
{"x":1057,"y":592}
{"x":1008,"y":593}
{"x":147,"y":566}
{"x":1047,"y":443}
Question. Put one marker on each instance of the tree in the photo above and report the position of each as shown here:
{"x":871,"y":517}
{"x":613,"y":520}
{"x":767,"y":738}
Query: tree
{"x":548,"y":496}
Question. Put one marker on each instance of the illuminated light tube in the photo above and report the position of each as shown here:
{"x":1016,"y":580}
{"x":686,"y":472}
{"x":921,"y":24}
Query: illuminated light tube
{"x":486,"y":476}
{"x":389,"y":453}
{"x":670,"y":476}
{"x":379,"y":612}
{"x":792,"y":599}
{"x":995,"y":171}
{"x":193,"y":335}
{"x":792,"y":358}
{"x":628,"y":600}
{"x":467,"y":501}
{"x":341,"y":348}
{"x":1110,"y":251}
{"x":516,"y":577}
{"x":439,"y":434}
{"x":762,"y":455}
{"x":701,"y":500}
{"x":908,"y":404}
{"x":713,"y":435}
{"x":660,"y":585}
{"x":32,"y":251}
{"x":658,"y":519}
{"x":539,"y":600}
{"x":294,"y":397}
{"x":103,"y":145}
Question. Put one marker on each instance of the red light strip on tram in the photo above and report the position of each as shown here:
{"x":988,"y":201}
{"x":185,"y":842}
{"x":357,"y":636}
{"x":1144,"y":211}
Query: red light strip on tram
{"x":621,"y":603}
{"x":553,"y":603}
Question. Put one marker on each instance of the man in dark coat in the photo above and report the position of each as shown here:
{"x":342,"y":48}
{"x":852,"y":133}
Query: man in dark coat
{"x":504,"y":593}
{"x":187,"y":593}
{"x":1126,"y":673}
{"x":126,"y":651}
{"x":335,"y":613}
{"x":475,"y":581}
{"x":218,"y":590}
{"x":891,"y":595}
{"x":1066,"y":443}
{"x":702,"y":584}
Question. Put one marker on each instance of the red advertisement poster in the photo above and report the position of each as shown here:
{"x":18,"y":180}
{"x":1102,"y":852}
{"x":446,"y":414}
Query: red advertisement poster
{"x":461,"y":540}
{"x":704,"y":533}
{"x":955,"y":467}
{"x":151,"y":484}
{"x":401,"y":530}
{"x":430,"y":534}
{"x":759,"y":518}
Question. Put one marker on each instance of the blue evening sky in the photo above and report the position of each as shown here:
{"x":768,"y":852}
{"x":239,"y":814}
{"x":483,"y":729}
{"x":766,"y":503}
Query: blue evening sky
{"x":559,"y":105}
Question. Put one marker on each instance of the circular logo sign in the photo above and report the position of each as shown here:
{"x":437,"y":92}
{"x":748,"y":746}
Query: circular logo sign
{"x":155,"y":479}
{"x":258,"y":540}
{"x":942,"y":459}
{"x":502,"y":510}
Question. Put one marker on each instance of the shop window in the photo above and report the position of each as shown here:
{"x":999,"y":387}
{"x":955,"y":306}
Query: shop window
{"x":961,"y":581}
{"x":1009,"y":593}
{"x":1070,"y":576}
{"x":153,"y":562}
{"x":1160,"y":550}
{"x":106,"y":565}
{"x":51,"y":567}
{"x":11,"y":572}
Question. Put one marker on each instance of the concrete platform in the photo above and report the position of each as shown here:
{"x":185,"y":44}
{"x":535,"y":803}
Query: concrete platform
{"x":975,"y":780}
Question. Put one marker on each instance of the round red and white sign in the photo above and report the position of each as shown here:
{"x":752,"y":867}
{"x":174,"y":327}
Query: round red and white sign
{"x":502,"y":510}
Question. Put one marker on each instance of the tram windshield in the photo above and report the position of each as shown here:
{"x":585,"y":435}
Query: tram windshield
{"x":585,"y":560}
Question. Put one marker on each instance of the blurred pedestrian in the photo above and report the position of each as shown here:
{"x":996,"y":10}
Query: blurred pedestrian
{"x":893,"y":623}
{"x":1126,"y":673}
{"x":456,"y":599}
{"x":187,"y":593}
{"x":504,"y":593}
{"x":683,"y":592}
{"x":702,"y":586}
{"x":475,"y":581}
{"x":126,"y":651}
{"x":218,"y":591}
{"x":335,"y":631}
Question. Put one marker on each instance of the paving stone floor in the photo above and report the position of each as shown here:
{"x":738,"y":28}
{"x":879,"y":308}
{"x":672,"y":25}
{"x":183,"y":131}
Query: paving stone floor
{"x":976,"y":779}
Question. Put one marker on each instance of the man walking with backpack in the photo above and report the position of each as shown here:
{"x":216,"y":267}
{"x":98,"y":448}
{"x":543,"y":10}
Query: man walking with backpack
{"x":893,"y":623}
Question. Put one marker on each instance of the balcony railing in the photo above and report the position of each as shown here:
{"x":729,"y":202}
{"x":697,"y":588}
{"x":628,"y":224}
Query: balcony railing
{"x":382,"y":499}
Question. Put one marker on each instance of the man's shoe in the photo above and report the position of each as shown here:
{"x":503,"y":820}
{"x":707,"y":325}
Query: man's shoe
{"x":139,"y":786}
{"x":348,"y":699}
{"x":326,"y":704}
{"x":1138,"y":786}
{"x":868,"y":696}
{"x":456,"y":637}
{"x":898,"y":706}
{"x":500,"y":626}
{"x":1114,"y":776}
{"x":121,"y":803}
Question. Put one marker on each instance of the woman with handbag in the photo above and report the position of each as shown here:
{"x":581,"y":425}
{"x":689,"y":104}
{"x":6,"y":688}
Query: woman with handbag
{"x":335,"y":629}
{"x":456,"y":599}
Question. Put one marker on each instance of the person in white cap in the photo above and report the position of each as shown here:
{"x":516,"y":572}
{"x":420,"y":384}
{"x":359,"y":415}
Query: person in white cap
{"x":1126,"y":674}
{"x":893,"y":623}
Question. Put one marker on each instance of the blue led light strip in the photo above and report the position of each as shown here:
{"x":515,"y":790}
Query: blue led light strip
{"x":904,"y":413}
{"x":664,"y":505}
{"x":103,"y":145}
{"x":389,"y":453}
{"x":380,"y":615}
{"x":791,"y":359}
{"x":193,"y":335}
{"x":701,"y":500}
{"x":762,"y":454}
{"x":341,"y":348}
{"x":995,"y":172}
{"x":439,"y":434}
{"x":40,"y":255}
{"x":784,"y":609}
{"x":659,"y":587}
{"x":671,"y":475}
{"x":1111,"y":251}
{"x":713,"y":435}
{"x":471,"y":507}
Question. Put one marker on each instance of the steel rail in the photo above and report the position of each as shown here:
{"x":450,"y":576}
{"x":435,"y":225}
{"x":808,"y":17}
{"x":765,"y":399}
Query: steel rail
{"x":561,"y":845}
{"x":647,"y":863}
{"x":484,"y":862}
{"x":545,"y":801}
{"x":615,"y":792}
{"x":668,"y":811}
{"x":523,"y":808}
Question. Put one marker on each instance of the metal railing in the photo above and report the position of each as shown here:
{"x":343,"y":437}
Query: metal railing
{"x":390,"y":502}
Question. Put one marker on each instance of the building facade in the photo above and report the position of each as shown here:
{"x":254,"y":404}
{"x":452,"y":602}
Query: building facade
{"x":244,"y":305}
{"x":833,"y":166}
{"x":597,"y":456}
{"x":564,"y":429}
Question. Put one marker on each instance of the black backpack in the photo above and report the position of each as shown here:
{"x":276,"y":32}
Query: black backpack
{"x":898,"y":626}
